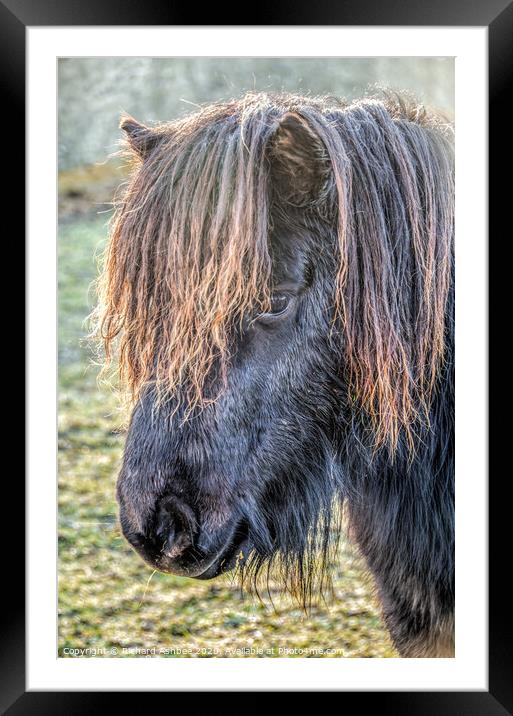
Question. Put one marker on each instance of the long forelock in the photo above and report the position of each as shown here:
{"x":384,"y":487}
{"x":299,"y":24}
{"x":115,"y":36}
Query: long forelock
{"x":188,"y":255}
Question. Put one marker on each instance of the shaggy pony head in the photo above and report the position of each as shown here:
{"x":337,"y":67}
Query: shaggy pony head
{"x":351,"y":204}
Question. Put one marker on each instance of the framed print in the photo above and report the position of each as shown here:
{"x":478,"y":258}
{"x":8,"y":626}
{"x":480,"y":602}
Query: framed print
{"x":257,"y":355}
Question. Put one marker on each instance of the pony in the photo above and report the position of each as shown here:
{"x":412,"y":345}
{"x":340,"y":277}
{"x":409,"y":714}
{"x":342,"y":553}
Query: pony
{"x":277,"y":298}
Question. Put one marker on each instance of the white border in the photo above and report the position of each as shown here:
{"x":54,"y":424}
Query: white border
{"x":469,"y":669}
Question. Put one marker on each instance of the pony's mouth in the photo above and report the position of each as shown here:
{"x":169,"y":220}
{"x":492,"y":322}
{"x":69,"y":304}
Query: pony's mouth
{"x":198,"y":565}
{"x":233,"y":555}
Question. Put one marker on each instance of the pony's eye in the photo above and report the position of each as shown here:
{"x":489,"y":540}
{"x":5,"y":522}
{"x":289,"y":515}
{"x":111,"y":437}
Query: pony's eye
{"x":280,"y":303}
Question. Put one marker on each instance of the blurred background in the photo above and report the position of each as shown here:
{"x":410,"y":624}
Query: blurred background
{"x":110,"y":603}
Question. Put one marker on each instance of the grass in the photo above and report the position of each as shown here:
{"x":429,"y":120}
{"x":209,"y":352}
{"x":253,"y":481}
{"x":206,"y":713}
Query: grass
{"x":110,"y":603}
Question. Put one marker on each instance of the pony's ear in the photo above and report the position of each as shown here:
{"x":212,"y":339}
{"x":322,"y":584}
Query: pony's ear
{"x":140,"y":138}
{"x":300,"y":164}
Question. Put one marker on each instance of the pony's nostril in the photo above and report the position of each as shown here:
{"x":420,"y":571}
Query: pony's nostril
{"x":176,"y":544}
{"x":176,"y":527}
{"x":166,"y":535}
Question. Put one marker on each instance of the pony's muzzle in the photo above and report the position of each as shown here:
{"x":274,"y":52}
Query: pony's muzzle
{"x":175,"y":542}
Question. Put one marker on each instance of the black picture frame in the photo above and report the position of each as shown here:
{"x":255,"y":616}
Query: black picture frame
{"x":497,"y":15}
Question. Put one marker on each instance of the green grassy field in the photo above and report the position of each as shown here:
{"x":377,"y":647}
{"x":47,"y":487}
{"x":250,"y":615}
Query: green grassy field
{"x":109,"y":601}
